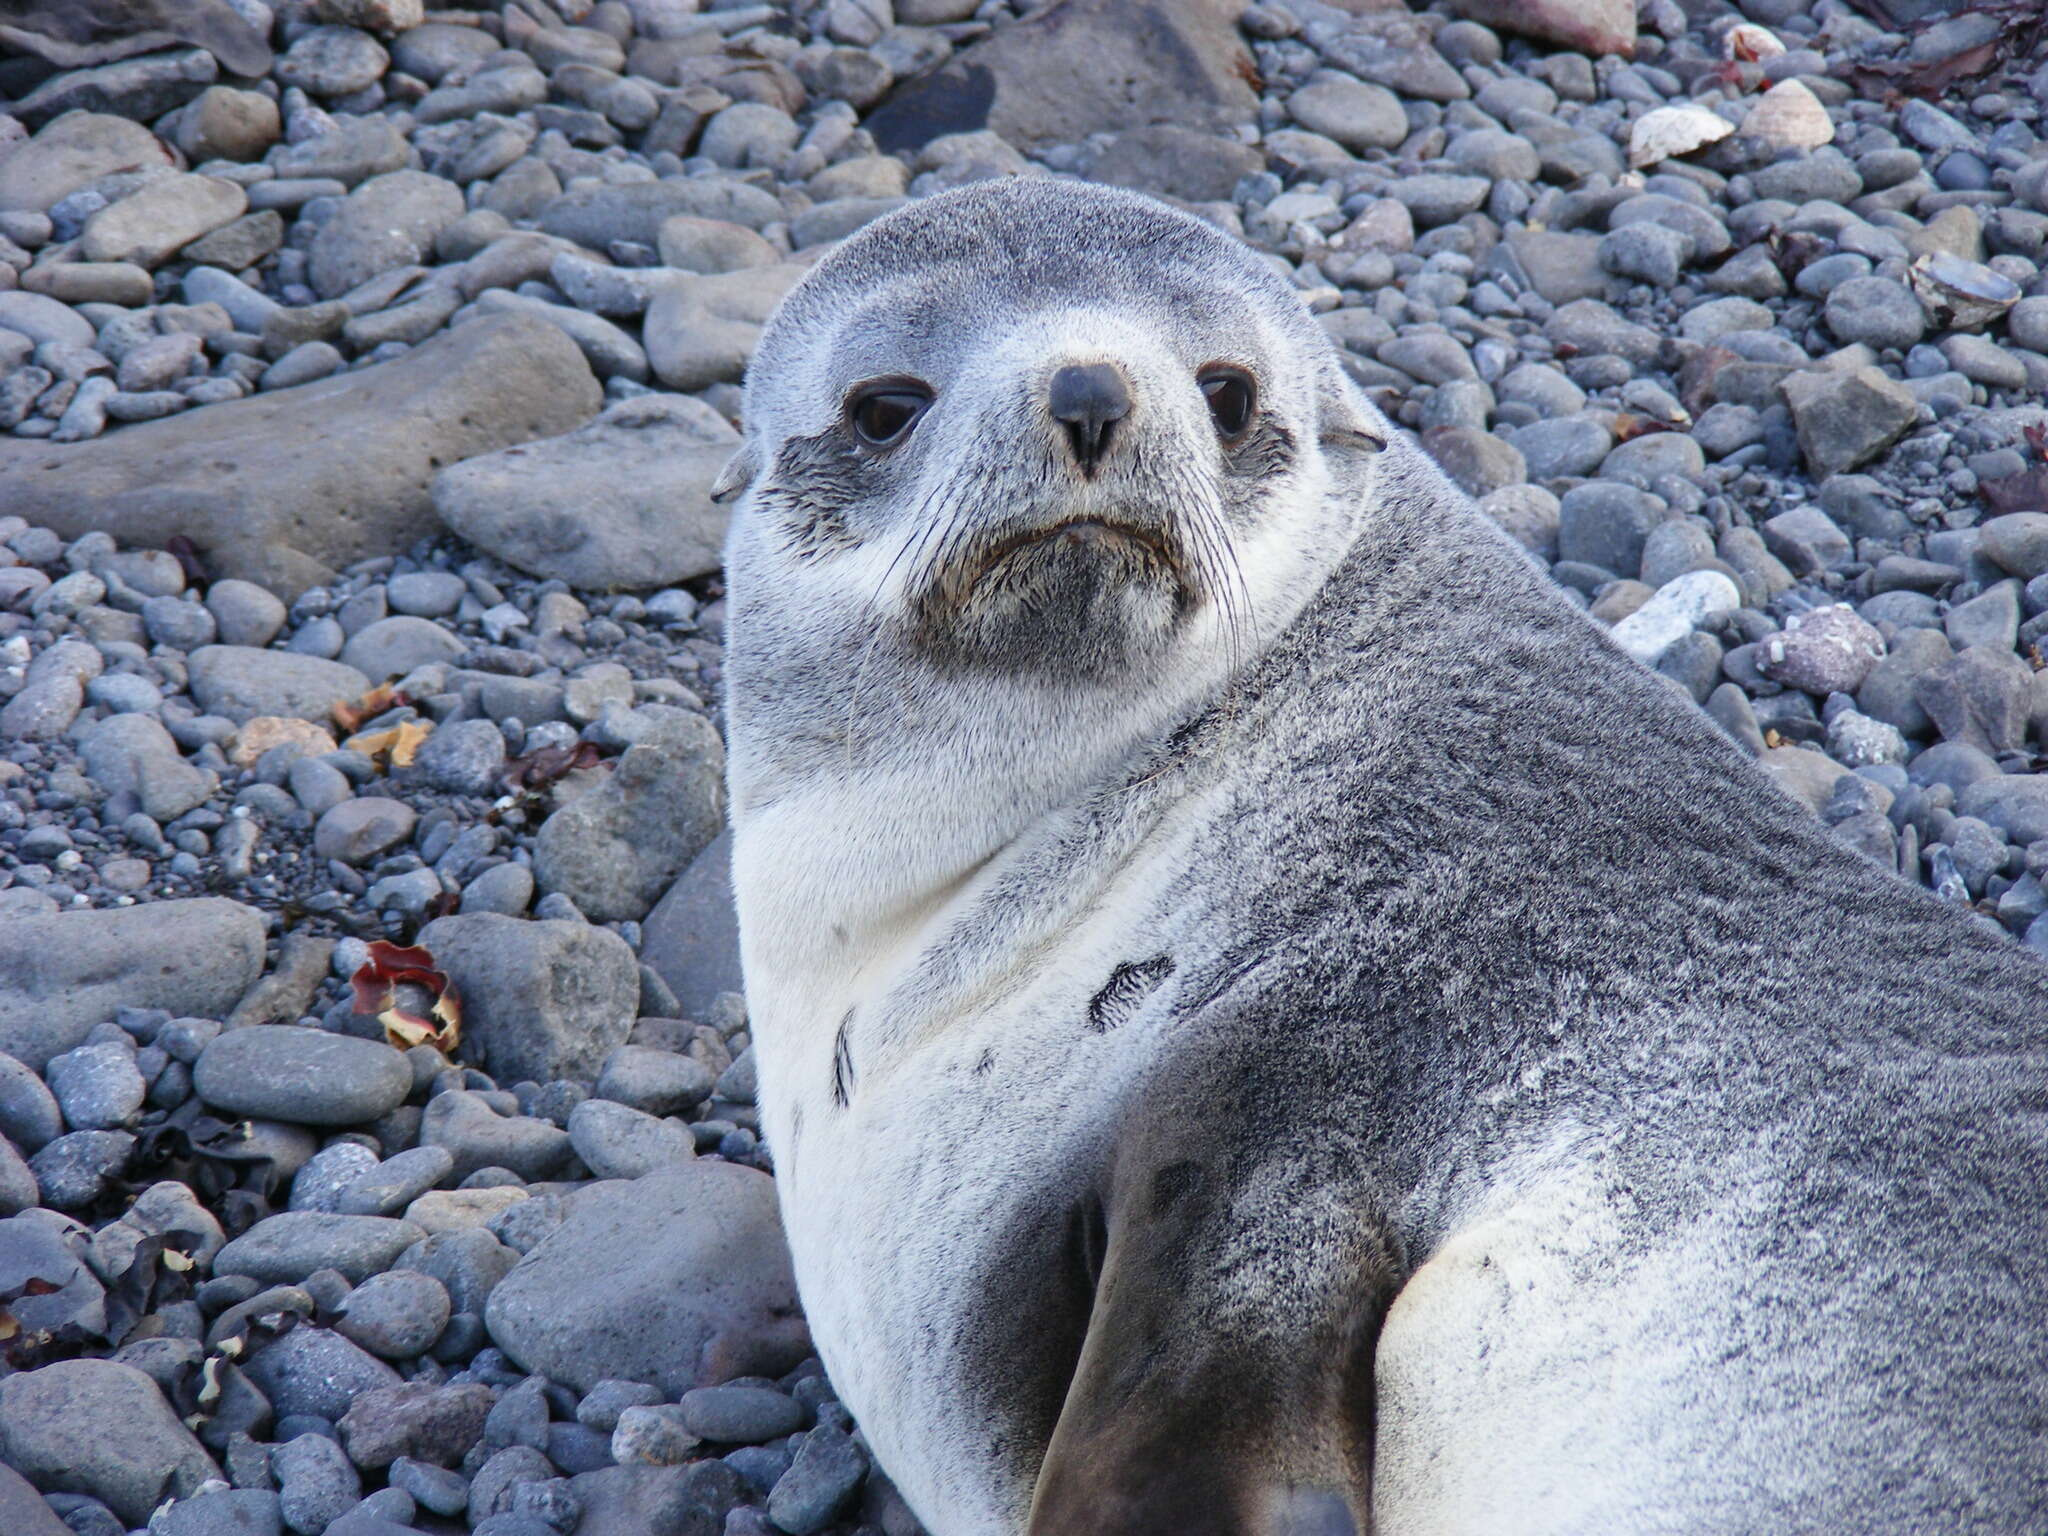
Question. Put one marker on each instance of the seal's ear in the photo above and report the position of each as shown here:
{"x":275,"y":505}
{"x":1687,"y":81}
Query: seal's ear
{"x":738,"y":473}
{"x":1345,"y":423}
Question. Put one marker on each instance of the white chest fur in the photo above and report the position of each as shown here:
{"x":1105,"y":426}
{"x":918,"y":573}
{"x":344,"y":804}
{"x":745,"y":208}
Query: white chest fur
{"x":959,"y":1101}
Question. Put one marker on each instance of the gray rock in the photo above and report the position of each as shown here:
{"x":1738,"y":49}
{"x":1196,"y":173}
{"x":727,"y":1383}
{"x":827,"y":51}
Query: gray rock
{"x":80,"y":1168}
{"x":541,"y":1000}
{"x":1990,"y":618}
{"x":97,"y":1087}
{"x":1847,"y":419}
{"x":246,"y":614}
{"x":1647,"y":252}
{"x":1433,"y":198}
{"x":2016,"y":804}
{"x":702,"y":330}
{"x":622,"y":503}
{"x":29,"y":1115}
{"x":1807,"y":540}
{"x":54,"y":1430}
{"x":1356,"y":115}
{"x":691,"y":938}
{"x":616,"y":848}
{"x":350,"y":150}
{"x":1606,"y":524}
{"x":241,"y":682}
{"x":153,"y":223}
{"x":1564,"y":445}
{"x":1875,"y":311}
{"x":616,"y":1142}
{"x":316,"y":1371}
{"x":608,"y":350}
{"x":395,"y":1315}
{"x":73,"y":151}
{"x":316,"y":1485}
{"x":1890,"y":690}
{"x":306,"y":1076}
{"x":395,"y":646}
{"x":415,"y":1420}
{"x":43,"y":319}
{"x":1562,"y":267}
{"x":392,"y":1185}
{"x":389,"y":221}
{"x":356,"y":831}
{"x":476,"y":1136}
{"x":23,"y":1512}
{"x":318,"y":1184}
{"x":1162,"y":158}
{"x":1099,"y":66}
{"x":299,"y":455}
{"x":656,"y":1081}
{"x":285,"y":1248}
{"x":132,"y":754}
{"x":2017,"y":542}
{"x":504,"y":888}
{"x":696,"y":1285}
{"x":426,"y":594}
{"x":1828,"y":650}
{"x":820,"y":1482}
{"x":741,"y":1415}
{"x":1979,"y":698}
{"x":463,"y":758}
{"x":596,"y":215}
{"x":63,"y":973}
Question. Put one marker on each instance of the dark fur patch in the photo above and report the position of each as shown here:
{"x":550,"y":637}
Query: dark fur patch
{"x":814,"y":484}
{"x":1266,"y":453}
{"x":843,"y":1075}
{"x":1128,"y":986}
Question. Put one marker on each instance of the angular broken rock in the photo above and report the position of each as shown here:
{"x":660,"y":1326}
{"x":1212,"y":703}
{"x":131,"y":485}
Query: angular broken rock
{"x":1847,"y":419}
{"x":624,"y":501}
{"x":1088,"y":66}
{"x":284,"y":488}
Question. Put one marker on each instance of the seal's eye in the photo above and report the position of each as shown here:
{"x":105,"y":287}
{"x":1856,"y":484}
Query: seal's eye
{"x":1231,"y":396}
{"x":884,"y":413}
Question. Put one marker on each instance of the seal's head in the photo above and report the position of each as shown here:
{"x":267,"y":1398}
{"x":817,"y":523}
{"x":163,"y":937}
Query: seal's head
{"x":1047,"y":429}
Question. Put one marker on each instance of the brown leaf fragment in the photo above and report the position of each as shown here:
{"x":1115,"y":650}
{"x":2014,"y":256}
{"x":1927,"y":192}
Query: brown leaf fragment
{"x":544,"y":765}
{"x":376,"y":984}
{"x":395,"y":747}
{"x":349,"y":714}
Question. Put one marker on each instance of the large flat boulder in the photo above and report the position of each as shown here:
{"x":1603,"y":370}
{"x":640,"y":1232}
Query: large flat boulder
{"x":1088,"y":66}
{"x":64,"y":972}
{"x":285,"y":488}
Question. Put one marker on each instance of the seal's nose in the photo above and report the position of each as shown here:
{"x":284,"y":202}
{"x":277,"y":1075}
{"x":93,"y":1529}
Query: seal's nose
{"x":1089,"y":399}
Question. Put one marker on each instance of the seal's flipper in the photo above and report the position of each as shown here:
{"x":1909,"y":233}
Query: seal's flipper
{"x":1189,"y":1414}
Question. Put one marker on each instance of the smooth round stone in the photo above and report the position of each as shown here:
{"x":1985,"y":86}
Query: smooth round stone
{"x":356,"y":831}
{"x":307,"y":1076}
{"x":425,"y":594}
{"x":741,"y":1415}
{"x":395,"y":1315}
{"x":284,"y":1249}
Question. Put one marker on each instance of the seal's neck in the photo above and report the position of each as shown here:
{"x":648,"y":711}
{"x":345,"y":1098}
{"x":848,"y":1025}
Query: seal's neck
{"x":850,"y":856}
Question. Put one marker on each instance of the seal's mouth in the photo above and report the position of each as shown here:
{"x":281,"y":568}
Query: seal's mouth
{"x":1084,"y":592}
{"x":1112,"y":546}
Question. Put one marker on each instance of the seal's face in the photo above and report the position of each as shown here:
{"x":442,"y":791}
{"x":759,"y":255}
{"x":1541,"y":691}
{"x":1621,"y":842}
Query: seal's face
{"x":1045,"y":443}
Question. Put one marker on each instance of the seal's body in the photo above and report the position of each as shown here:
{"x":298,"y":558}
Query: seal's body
{"x":1267,"y":1021}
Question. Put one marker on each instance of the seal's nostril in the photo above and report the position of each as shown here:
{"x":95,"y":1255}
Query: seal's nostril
{"x":1088,"y":399}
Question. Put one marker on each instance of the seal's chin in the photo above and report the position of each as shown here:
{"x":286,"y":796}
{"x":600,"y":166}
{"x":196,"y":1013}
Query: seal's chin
{"x":1085,"y":597}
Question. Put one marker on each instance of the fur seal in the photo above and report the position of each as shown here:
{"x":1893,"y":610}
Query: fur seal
{"x":1267,"y":1020}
